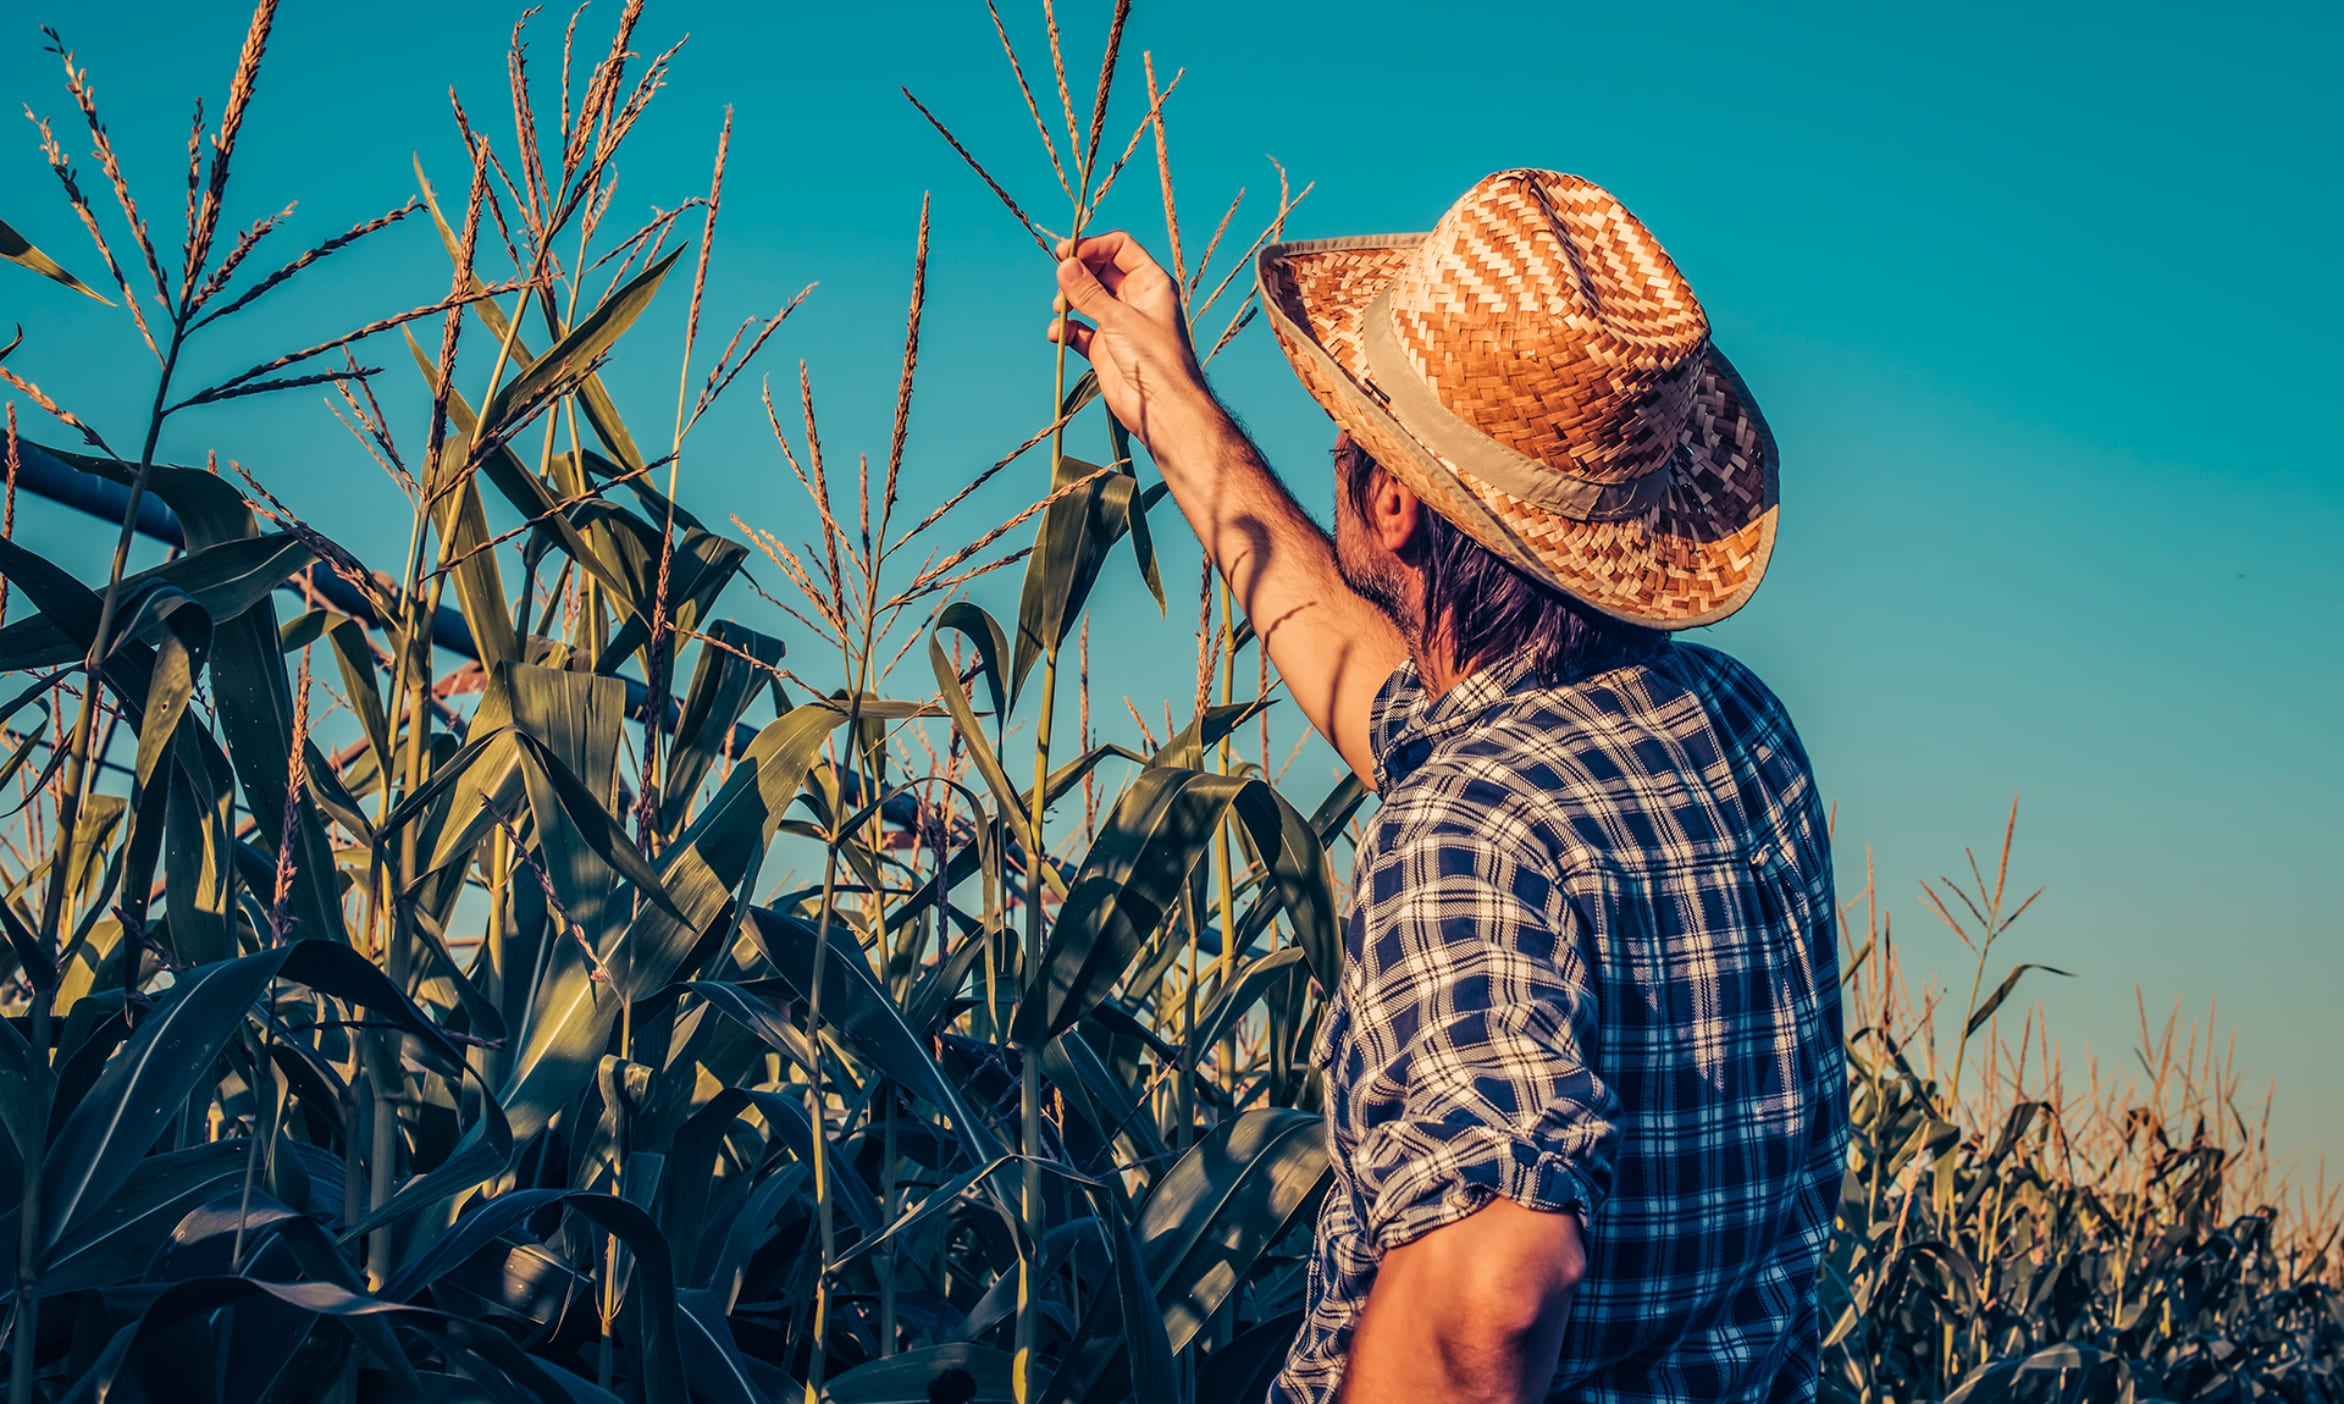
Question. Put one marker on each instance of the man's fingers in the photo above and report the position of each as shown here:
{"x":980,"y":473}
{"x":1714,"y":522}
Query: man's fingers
{"x":1080,"y":288}
{"x":1114,"y":249}
{"x":1078,"y":335}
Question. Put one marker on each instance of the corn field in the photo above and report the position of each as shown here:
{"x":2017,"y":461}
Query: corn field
{"x":399,"y":1006}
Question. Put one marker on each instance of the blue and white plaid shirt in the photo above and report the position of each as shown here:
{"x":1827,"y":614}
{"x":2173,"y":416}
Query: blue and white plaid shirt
{"x":1592,"y":967}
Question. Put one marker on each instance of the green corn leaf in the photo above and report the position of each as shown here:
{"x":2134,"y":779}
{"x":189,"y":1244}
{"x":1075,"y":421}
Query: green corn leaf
{"x":145,"y":1085}
{"x":1196,"y":1241}
{"x":699,"y":568}
{"x":37,"y":966}
{"x":791,"y":1185}
{"x":1996,"y":1378}
{"x":332,"y":968}
{"x":306,"y":628}
{"x":252,"y":704}
{"x":719,"y":1374}
{"x":696,"y":1155}
{"x":200,"y":1297}
{"x":1143,"y":543}
{"x":984,"y":633}
{"x":1244,"y":1368}
{"x":1158,"y":832}
{"x":601,"y":413}
{"x":653,"y":1294}
{"x":495,"y":1218}
{"x":1253,"y":982}
{"x":484,"y":1351}
{"x":1121,"y":1348}
{"x":18,"y":250}
{"x":1094,"y":1094}
{"x":517,"y":484}
{"x":999,"y":1303}
{"x":179,"y":661}
{"x":68,"y":622}
{"x":142,"y":848}
{"x":116,"y":1241}
{"x":354,"y":658}
{"x":35,"y":738}
{"x":230,"y":569}
{"x":723,"y":684}
{"x":480,"y":1012}
{"x":263,"y":1334}
{"x":26,"y":1085}
{"x":1186,"y":751}
{"x":1009,"y":804}
{"x":226,"y":580}
{"x":904,"y":1379}
{"x":1335,"y":811}
{"x":700,"y":871}
{"x":555,"y":790}
{"x":1985,"y":1012}
{"x":462,"y":523}
{"x":326,"y":790}
{"x":753,"y":1013}
{"x":565,"y":362}
{"x":1226,"y":1202}
{"x":483,"y":1152}
{"x":855,"y":1005}
{"x":941,"y":1197}
{"x":1070,"y":547}
{"x":490,"y":749}
{"x":321,"y":1261}
{"x":936,"y":990}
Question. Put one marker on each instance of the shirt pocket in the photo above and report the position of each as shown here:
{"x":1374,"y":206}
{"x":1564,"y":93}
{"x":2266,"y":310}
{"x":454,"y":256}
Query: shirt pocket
{"x":1782,"y":908}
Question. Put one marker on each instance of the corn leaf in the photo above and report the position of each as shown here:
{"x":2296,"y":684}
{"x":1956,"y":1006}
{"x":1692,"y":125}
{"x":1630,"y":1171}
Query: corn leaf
{"x":565,"y":362}
{"x":18,"y":250}
{"x":133,"y":1100}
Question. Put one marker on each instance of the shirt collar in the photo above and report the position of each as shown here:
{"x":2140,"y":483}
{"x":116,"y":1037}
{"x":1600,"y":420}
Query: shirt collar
{"x":1406,"y":722}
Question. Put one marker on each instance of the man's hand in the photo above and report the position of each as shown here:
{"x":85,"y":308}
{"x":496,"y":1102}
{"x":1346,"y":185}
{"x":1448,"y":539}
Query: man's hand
{"x":1332,"y":648}
{"x":1138,"y":341}
{"x":1471,"y":1313}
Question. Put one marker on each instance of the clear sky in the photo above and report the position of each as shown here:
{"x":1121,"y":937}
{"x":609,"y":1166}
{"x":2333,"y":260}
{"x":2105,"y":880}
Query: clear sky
{"x":2039,"y":300}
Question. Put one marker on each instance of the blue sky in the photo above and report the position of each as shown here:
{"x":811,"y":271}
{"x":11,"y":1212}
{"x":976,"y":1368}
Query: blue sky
{"x":2037,"y":298}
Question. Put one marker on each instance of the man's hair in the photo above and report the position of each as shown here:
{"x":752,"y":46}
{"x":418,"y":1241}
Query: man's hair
{"x":1480,"y":608}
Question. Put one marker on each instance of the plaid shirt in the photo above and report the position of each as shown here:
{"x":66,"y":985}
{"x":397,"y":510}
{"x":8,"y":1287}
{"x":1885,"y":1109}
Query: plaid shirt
{"x":1592,"y":967}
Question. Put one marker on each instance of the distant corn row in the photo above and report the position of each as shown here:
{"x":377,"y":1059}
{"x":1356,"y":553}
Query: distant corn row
{"x":2007,"y":1238}
{"x":402,"y":1007}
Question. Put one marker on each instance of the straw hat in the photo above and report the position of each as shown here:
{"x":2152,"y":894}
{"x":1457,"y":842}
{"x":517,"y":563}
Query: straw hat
{"x":1538,"y":371}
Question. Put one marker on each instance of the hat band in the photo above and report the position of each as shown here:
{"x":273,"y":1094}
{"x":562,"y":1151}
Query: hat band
{"x":1518,"y":475}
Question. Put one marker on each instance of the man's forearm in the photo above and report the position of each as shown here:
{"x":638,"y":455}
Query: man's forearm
{"x":1472,"y":1313}
{"x":1332,"y":647}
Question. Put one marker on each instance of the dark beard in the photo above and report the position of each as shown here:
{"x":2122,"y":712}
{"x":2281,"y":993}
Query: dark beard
{"x":1374,"y":582}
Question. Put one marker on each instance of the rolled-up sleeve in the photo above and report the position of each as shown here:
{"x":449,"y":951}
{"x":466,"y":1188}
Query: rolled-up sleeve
{"x":1472,"y":1021}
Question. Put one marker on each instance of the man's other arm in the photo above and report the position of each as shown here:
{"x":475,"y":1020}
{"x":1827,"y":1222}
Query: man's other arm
{"x":1470,"y":1313}
{"x":1333,"y":648}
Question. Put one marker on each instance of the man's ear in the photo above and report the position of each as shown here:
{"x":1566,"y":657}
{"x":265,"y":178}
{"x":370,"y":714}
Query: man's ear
{"x":1393,"y":510}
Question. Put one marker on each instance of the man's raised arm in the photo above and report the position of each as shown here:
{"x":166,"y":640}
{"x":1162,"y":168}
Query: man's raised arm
{"x":1333,"y":648}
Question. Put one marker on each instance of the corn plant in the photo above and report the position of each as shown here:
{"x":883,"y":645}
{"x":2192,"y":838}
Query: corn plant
{"x":401,"y":1004}
{"x":2132,"y":1240}
{"x":469,"y":1049}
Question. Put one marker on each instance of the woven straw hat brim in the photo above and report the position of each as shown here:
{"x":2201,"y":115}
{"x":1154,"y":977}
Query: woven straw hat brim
{"x":1693,"y":557}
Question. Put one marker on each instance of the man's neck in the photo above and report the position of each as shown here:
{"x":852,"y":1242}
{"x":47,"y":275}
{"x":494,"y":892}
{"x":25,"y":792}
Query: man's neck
{"x":1438,"y":674}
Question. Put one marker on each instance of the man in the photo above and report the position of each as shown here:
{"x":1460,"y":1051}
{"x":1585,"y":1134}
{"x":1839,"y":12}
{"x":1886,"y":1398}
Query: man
{"x":1585,"y":1088}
